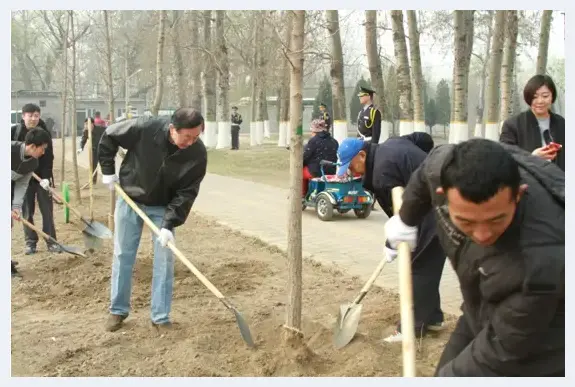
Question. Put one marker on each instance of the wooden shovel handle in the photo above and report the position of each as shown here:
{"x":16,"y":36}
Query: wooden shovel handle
{"x":55,"y":194}
{"x":405,"y":295}
{"x":174,"y":249}
{"x":38,"y":230}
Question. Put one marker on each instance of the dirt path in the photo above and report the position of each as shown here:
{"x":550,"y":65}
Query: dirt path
{"x":59,"y":308}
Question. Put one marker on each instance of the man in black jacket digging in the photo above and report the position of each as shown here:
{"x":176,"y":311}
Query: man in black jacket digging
{"x":164,"y":165}
{"x":383,"y":167}
{"x":37,"y":190}
{"x":500,"y":217}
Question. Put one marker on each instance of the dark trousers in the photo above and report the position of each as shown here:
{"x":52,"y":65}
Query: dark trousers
{"x":235,"y":137}
{"x":426,"y":273}
{"x":46,"y":209}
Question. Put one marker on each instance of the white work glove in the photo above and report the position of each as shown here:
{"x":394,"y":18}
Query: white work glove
{"x":396,"y":231}
{"x":165,"y":237}
{"x":45,"y":184}
{"x":79,"y":151}
{"x":391,"y":254}
{"x":110,"y":180}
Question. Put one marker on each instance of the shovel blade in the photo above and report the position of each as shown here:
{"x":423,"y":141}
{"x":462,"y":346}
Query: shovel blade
{"x":73,"y":250}
{"x":98,"y":230}
{"x":244,"y":329}
{"x":346,"y":325}
{"x":90,"y":241}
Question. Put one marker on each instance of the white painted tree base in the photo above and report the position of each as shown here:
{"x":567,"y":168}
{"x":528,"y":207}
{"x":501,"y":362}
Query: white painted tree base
{"x":405,"y":127}
{"x":224,"y":135}
{"x":419,"y":126}
{"x":386,"y":127}
{"x":267,"y":133}
{"x":458,"y":132}
{"x":259,"y":132}
{"x":478,"y":132}
{"x":253,"y":135}
{"x":211,"y":133}
{"x":340,"y":130}
{"x":283,"y":134}
{"x":492,"y":131}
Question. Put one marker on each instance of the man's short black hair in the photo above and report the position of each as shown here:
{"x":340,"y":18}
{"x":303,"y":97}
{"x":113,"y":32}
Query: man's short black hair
{"x":535,"y":83}
{"x":89,"y":118}
{"x":187,"y":118}
{"x":30,"y":108}
{"x":37,"y":136}
{"x":97,"y":114}
{"x":478,"y":169}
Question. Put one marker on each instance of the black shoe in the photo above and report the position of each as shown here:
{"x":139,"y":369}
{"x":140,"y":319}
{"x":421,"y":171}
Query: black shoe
{"x":30,"y":249}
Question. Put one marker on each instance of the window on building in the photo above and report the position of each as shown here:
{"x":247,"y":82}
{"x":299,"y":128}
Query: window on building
{"x":42,"y":103}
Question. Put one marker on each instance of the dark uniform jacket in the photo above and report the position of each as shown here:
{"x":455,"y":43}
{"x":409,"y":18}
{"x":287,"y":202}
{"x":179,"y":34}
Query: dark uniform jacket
{"x":514,"y":291}
{"x":523,"y":130}
{"x":97,"y":133}
{"x":389,"y":165}
{"x":236,"y":119}
{"x":322,"y":146}
{"x":369,"y":124}
{"x":46,"y":161}
{"x":154,"y":171}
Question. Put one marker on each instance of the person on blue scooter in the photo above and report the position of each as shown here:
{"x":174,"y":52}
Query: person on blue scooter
{"x":383,"y":167}
{"x":321,"y":146}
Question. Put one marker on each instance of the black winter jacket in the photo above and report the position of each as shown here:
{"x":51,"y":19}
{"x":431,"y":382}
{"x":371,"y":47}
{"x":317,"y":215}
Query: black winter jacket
{"x":389,"y":165}
{"x":46,"y":161}
{"x":322,"y":146}
{"x":154,"y":172}
{"x":514,"y":291}
{"x":97,"y":133}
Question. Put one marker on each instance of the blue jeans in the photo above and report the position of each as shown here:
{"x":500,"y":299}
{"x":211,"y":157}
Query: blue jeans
{"x":128,"y":231}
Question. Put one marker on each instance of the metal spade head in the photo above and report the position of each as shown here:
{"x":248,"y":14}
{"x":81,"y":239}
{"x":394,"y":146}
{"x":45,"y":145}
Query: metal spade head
{"x":346,"y":324}
{"x":73,"y":250}
{"x":98,"y":230}
{"x":90,"y":241}
{"x":244,"y":329}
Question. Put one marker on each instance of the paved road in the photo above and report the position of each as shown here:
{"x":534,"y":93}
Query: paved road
{"x":355,"y":245}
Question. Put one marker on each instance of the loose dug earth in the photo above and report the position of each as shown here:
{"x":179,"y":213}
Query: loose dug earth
{"x":59,"y":310}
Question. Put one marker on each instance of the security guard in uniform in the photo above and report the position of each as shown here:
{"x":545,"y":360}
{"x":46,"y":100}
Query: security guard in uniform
{"x":324,"y":115}
{"x":369,"y":118}
{"x":236,"y":119}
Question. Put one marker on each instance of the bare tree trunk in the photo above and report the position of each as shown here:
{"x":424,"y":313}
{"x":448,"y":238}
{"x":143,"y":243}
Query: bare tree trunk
{"x":480,"y":122}
{"x":178,"y":62}
{"x":111,"y":108}
{"x":375,"y":72}
{"x":293,"y":334}
{"x":492,"y":103}
{"x":196,"y":66}
{"x":159,"y":65}
{"x":261,"y":82}
{"x":546,"y":19}
{"x":416,"y":72}
{"x":224,"y":123}
{"x":337,"y":77}
{"x":508,"y":81}
{"x":463,"y":47}
{"x":209,"y":83}
{"x":253,"y":115}
{"x":74,"y":115}
{"x":65,"y":104}
{"x":285,"y":82}
{"x":403,"y":76}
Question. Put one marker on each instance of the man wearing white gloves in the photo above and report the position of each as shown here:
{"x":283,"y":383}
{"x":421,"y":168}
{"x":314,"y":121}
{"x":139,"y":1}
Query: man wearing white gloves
{"x":383,"y":167}
{"x":162,"y":171}
{"x":500,"y":217}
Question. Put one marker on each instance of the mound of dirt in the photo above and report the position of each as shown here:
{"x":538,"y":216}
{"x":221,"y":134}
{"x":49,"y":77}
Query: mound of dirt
{"x":60,"y":306}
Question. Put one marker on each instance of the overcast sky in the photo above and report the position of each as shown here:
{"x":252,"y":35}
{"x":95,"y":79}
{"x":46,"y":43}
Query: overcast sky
{"x":434,"y":63}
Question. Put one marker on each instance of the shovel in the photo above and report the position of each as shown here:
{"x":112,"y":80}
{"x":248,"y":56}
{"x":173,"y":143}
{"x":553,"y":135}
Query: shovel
{"x":93,"y":228}
{"x":244,"y":329}
{"x":69,"y":249}
{"x":349,"y":314}
{"x":405,"y":295}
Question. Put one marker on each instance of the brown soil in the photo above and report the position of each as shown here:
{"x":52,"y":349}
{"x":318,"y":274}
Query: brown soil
{"x":60,"y":306}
